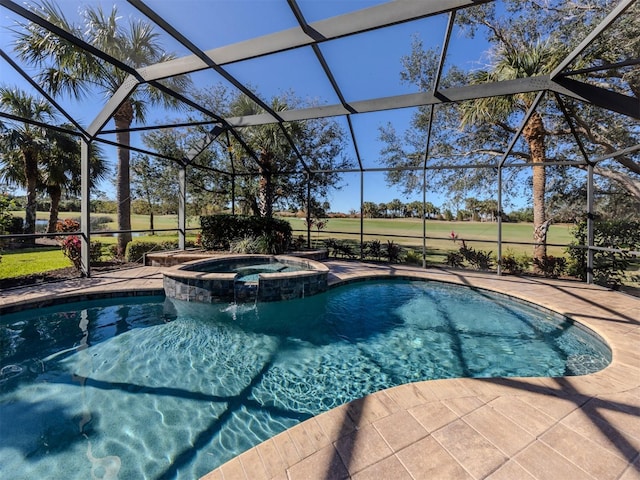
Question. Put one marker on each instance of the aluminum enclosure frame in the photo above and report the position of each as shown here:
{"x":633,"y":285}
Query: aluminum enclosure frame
{"x":559,"y":84}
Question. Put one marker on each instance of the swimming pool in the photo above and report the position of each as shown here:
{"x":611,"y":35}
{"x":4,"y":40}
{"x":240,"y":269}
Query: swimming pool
{"x":148,"y":388}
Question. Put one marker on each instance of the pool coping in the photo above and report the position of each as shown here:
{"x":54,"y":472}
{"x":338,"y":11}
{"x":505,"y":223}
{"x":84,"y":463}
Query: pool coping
{"x":541,"y":428}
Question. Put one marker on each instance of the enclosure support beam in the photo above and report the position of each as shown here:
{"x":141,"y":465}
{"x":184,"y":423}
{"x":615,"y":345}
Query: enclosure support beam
{"x":590,"y":219}
{"x":182,"y":207}
{"x":601,"y":97}
{"x":85,"y":203}
{"x":308,"y":210}
{"x":353,"y":23}
{"x":424,"y":215}
{"x":499,"y":221}
{"x":233,"y":194}
{"x":361,"y":215}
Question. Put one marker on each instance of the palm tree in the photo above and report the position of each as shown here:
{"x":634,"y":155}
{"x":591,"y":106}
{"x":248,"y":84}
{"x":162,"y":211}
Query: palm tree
{"x":60,"y":170}
{"x":274,"y":154}
{"x":519,"y":59}
{"x":23,"y":146}
{"x":369,"y":209}
{"x":66,"y":69}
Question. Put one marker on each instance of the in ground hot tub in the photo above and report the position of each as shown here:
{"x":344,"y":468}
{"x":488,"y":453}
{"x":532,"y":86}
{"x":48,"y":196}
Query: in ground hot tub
{"x":238,"y":278}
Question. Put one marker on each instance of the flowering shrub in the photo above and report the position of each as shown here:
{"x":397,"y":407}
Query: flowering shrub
{"x":68,"y":225}
{"x":71,"y":247}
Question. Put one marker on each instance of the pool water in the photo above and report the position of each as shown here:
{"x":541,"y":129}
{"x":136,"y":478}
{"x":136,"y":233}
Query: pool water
{"x":154,"y":388}
{"x":241,"y":266}
{"x":249,"y":273}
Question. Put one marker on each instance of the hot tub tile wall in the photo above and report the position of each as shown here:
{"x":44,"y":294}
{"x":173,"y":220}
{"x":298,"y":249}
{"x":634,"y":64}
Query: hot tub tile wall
{"x":198,"y":290}
{"x":190,"y":284}
{"x":269,"y":289}
{"x":290,"y":287}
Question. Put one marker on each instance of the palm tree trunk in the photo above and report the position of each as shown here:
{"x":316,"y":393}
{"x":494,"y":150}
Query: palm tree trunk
{"x":123,"y":118}
{"x":534,"y":134}
{"x":151,"y":223}
{"x":31,"y":175}
{"x":55,"y":193}
{"x":265,"y":186}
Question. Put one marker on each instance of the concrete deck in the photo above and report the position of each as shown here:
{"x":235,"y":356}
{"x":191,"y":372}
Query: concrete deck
{"x":584,"y":427}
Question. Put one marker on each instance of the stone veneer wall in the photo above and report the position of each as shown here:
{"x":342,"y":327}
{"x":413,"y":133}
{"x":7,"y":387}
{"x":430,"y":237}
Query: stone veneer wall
{"x":271,"y":287}
{"x":199,"y":290}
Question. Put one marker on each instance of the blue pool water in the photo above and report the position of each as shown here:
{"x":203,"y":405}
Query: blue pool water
{"x":153,"y":388}
{"x":247,"y":269}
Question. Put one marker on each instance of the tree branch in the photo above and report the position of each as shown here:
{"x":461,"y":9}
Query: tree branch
{"x":629,"y":184}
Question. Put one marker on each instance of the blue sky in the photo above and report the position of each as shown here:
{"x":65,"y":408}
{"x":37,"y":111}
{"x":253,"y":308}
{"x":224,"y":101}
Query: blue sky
{"x":365,"y":66}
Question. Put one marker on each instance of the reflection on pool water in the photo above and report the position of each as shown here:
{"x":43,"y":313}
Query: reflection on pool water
{"x":153,"y":388}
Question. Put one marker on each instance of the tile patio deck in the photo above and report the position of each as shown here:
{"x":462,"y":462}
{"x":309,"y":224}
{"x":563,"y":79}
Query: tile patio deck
{"x":584,"y":427}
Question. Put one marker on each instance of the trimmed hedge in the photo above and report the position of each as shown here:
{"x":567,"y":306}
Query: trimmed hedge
{"x":137,"y":249}
{"x":219,"y":231}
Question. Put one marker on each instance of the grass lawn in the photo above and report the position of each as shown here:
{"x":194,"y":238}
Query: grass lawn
{"x":16,"y":263}
{"x":480,"y":235}
{"x":404,"y":231}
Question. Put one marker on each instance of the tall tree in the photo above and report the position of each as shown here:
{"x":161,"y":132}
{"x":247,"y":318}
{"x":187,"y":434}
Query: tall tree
{"x":154,"y":182}
{"x":268,"y":172}
{"x":23,"y":146}
{"x":65,"y":69}
{"x":396,"y":206}
{"x":61,"y":170}
{"x":370,"y":209}
{"x":527,"y":38}
{"x":519,"y":58}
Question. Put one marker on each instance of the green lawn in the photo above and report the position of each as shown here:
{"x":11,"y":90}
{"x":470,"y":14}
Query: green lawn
{"x":34,"y":260}
{"x":481,"y":235}
{"x":403,"y":231}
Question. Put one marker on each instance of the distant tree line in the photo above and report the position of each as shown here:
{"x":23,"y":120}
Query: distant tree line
{"x":474,"y":210}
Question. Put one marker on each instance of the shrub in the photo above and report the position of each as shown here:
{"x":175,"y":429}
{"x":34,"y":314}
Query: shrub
{"x":15,"y":225}
{"x":609,"y":268}
{"x":218,"y":231}
{"x":95,"y":251}
{"x":113,"y":251}
{"x":551,"y":266}
{"x":137,"y":249}
{"x":344,"y":248}
{"x":512,"y":263}
{"x":373,"y":249}
{"x":244,"y":245}
{"x":413,"y":257}
{"x":270,"y":243}
{"x":331,"y":244}
{"x":455,"y":259}
{"x":393,"y":252}
{"x":71,"y":247}
{"x":299,"y":242}
{"x":478,"y":259}
{"x":67,"y":225}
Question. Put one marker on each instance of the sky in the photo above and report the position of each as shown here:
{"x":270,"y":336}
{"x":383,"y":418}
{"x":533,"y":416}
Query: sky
{"x":366,"y":66}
